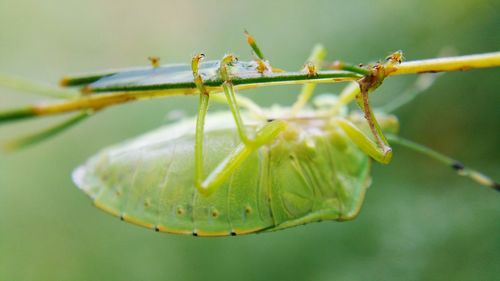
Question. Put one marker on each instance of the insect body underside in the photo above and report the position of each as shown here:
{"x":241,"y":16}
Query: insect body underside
{"x":308,"y":174}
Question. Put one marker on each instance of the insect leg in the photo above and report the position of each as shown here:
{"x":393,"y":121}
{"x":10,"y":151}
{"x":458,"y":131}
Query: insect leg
{"x":243,"y":102}
{"x":313,"y":217}
{"x":200,"y":118}
{"x":369,"y":83}
{"x":317,"y":56}
{"x":363,"y":141}
{"x":450,"y":162}
{"x":221,"y":173}
{"x":227,"y":86}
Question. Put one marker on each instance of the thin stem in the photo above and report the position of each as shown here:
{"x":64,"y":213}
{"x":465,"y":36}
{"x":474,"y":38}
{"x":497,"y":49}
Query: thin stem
{"x":24,"y":85}
{"x":122,"y":94}
{"x":46,"y":133}
{"x":100,"y":101}
{"x":449,"y":64}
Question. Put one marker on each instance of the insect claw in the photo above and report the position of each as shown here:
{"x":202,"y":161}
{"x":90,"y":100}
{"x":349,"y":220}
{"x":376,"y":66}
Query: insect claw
{"x":195,"y":61}
{"x":262,"y":66}
{"x":155,"y":61}
{"x":311,"y":69}
{"x":392,"y":61}
{"x":396,"y":57}
{"x":198,"y":81}
{"x":227,"y":59}
{"x":223,"y":70}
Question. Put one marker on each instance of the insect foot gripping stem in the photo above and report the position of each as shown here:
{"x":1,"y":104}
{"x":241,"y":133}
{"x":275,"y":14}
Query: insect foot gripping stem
{"x":198,"y":81}
{"x":227,"y":86}
{"x":367,"y":84}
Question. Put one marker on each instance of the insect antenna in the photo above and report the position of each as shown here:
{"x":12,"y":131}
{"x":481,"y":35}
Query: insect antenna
{"x":448,"y":161}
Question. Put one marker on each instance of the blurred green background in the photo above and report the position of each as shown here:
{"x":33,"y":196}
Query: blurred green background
{"x":420,"y":221}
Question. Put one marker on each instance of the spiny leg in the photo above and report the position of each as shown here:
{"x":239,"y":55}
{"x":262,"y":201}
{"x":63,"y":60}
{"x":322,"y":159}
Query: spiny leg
{"x":317,"y":56}
{"x":450,"y":162}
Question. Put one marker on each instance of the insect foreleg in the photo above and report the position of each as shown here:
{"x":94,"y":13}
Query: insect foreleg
{"x":317,"y":56}
{"x":369,"y":83}
{"x":363,"y":141}
{"x":221,"y":173}
{"x":379,"y":150}
{"x":380,"y":139}
{"x":450,"y":162}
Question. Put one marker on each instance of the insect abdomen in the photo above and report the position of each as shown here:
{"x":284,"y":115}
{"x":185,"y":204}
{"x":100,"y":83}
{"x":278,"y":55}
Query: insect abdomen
{"x":151,"y":184}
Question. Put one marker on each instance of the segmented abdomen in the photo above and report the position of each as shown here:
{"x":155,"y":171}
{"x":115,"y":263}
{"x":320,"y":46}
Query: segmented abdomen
{"x":149,"y":182}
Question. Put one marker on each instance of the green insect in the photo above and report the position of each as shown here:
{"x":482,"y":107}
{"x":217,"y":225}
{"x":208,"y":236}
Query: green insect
{"x":258,"y":170}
